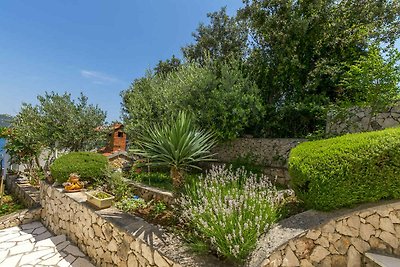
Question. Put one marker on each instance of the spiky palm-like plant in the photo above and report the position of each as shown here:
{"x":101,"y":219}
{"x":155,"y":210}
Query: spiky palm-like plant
{"x":178,"y":144}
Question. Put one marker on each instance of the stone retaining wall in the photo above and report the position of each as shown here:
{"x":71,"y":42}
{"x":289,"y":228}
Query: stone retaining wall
{"x":150,"y":193}
{"x":360,"y":120}
{"x":262,"y":151}
{"x":109,"y":239}
{"x":340,"y":241}
{"x":20,"y":217}
{"x":272,"y":154}
{"x":25,"y":192}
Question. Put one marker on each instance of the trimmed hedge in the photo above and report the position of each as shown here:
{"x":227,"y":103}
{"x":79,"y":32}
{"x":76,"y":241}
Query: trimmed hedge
{"x":346,"y":170}
{"x":90,"y":166}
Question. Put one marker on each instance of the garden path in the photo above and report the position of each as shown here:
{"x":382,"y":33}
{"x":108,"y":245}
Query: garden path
{"x":33,"y":245}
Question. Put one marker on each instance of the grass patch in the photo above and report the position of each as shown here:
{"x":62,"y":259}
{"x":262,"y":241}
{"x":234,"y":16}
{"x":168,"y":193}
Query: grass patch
{"x":160,"y":180}
{"x":10,"y":205}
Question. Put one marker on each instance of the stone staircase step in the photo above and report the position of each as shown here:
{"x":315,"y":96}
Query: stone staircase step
{"x":383,"y":260}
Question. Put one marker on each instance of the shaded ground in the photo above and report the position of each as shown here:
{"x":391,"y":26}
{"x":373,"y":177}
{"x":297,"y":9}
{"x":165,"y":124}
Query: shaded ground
{"x":9,"y":205}
{"x":33,"y":245}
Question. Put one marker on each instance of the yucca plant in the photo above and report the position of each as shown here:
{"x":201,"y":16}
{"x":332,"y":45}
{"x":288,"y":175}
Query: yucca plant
{"x":178,"y":144}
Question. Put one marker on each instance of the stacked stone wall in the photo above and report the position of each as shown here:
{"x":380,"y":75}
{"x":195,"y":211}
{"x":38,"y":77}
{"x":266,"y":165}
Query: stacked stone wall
{"x":20,"y":217}
{"x":106,"y":242}
{"x":343,"y":241}
{"x":361,"y":120}
{"x":27,"y":194}
{"x":270,"y":154}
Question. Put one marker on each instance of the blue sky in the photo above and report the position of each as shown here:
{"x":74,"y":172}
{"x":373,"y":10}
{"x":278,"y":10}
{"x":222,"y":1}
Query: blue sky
{"x":92,"y":46}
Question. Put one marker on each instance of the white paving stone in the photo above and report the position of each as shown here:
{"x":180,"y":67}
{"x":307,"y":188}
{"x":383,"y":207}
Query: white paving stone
{"x":7,"y":245}
{"x":35,"y":255}
{"x":3,"y":255}
{"x":11,"y":261}
{"x":64,"y":263}
{"x":21,"y":249}
{"x":38,"y":248}
{"x":53,"y":261}
{"x":10,"y":230}
{"x":44,"y":243}
{"x":23,"y":237}
{"x":9,"y":237}
{"x":48,"y":256}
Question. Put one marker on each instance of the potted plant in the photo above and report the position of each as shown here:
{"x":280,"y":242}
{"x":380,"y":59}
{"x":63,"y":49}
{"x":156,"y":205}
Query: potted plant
{"x":99,"y":199}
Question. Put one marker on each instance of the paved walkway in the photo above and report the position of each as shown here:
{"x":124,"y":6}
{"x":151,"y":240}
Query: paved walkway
{"x":33,"y":245}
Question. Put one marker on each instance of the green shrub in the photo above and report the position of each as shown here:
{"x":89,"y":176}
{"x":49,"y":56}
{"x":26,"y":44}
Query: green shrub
{"x":90,"y":166}
{"x":115,"y":185}
{"x":346,"y":170}
{"x":131,"y":204}
{"x":222,"y":99}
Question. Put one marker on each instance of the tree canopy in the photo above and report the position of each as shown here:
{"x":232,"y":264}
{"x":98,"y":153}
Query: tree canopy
{"x":58,"y":122}
{"x":167,"y":66}
{"x":223,"y":38}
{"x":296,"y":54}
{"x":303,"y":48}
{"x":222,"y":100}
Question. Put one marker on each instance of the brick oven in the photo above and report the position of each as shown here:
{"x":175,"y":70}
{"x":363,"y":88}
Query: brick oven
{"x":115,"y":149}
{"x":117,"y":139}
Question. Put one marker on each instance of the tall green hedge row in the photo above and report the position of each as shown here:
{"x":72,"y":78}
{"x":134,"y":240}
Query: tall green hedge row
{"x":90,"y":166}
{"x":346,"y":170}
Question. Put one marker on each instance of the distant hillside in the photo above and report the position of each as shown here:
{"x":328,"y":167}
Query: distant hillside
{"x":5,"y":120}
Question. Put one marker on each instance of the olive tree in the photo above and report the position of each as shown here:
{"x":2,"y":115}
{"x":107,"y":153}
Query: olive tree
{"x":58,"y":122}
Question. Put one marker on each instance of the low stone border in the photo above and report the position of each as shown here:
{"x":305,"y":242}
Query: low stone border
{"x":151,"y":193}
{"x":113,"y":238}
{"x":331,"y":239}
{"x":20,"y":217}
{"x":25,"y":192}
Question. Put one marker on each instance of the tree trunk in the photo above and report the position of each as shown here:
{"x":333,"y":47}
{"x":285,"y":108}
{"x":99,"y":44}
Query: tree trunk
{"x":177,"y":177}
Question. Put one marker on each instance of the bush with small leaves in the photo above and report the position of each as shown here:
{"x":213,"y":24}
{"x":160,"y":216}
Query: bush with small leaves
{"x":90,"y":166}
{"x":347,"y":170}
{"x":229,"y":211}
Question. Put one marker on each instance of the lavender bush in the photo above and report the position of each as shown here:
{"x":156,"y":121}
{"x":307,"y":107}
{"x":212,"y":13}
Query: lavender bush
{"x":230,"y":209}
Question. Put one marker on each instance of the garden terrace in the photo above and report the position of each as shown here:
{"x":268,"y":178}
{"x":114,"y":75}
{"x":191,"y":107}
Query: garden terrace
{"x":24,"y":199}
{"x":112,"y":237}
{"x":23,"y":190}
